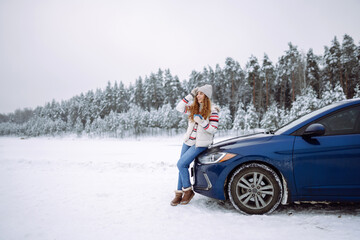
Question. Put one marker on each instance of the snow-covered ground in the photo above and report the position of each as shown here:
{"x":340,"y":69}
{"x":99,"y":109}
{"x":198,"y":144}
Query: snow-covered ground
{"x":70,"y":188}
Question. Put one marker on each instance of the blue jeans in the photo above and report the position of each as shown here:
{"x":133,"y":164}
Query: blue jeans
{"x":188,"y":154}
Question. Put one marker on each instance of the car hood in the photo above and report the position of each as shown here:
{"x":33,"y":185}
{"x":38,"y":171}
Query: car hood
{"x":242,"y":141}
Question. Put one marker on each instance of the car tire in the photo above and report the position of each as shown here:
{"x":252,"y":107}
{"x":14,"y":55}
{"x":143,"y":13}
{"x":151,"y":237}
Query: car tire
{"x":255,"y":189}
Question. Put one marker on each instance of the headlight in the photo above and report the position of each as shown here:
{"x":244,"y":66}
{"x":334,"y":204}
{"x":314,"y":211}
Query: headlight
{"x":209,"y":158}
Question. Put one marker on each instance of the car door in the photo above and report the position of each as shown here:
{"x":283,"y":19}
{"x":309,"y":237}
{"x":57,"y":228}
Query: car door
{"x":329,"y":165}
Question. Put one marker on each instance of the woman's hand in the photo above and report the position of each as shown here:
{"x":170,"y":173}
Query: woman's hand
{"x":194,"y":91}
{"x":198,"y":118}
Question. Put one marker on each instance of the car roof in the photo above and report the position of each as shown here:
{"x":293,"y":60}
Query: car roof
{"x":308,"y":118}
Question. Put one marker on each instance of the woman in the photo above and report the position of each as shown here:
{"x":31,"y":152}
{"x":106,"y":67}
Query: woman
{"x":202,"y":125}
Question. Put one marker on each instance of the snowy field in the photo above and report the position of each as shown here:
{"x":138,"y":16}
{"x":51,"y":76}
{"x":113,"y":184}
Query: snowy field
{"x":72,"y":189}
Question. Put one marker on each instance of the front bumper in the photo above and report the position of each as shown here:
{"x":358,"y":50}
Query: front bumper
{"x":208,"y":183}
{"x":208,"y":180}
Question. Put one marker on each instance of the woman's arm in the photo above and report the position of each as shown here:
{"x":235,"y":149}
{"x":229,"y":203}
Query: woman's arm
{"x":183,"y":105}
{"x":210,"y":125}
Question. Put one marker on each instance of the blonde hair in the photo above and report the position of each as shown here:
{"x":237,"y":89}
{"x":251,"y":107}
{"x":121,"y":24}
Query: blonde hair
{"x":205,"y":110}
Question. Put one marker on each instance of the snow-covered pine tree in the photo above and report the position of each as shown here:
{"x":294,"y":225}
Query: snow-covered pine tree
{"x":196,"y":79}
{"x":350,"y":65}
{"x":112,"y":123}
{"x":154,"y":90}
{"x":225,"y":121}
{"x":211,"y":79}
{"x":98,"y":127}
{"x":219,"y":87}
{"x":251,"y":118}
{"x":155,"y":119}
{"x":170,"y":118}
{"x":99,"y":104}
{"x":289,"y":79}
{"x":283,"y":116}
{"x":293,"y":59}
{"x":357,"y":91}
{"x":116,"y":98}
{"x":333,"y":66}
{"x":205,"y":77}
{"x":10,"y":128}
{"x":59,"y":126}
{"x":330,"y":96}
{"x":281,"y":92}
{"x":87,"y":128}
{"x":122,"y":127}
{"x":89,"y":108}
{"x":312,"y":72}
{"x":139,"y":94}
{"x":122,"y":99}
{"x":172,"y":89}
{"x":232,"y":74}
{"x":239,"y":121}
{"x":305,"y":103}
{"x":267,"y":74}
{"x":271,"y":118}
{"x":108,"y":100}
{"x":79,"y":127}
{"x":253,"y":79}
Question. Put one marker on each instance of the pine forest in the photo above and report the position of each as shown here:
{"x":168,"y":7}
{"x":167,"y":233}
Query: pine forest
{"x":260,"y":95}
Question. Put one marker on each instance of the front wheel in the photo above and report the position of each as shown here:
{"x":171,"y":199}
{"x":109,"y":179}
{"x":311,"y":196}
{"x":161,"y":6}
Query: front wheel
{"x":255,"y":189}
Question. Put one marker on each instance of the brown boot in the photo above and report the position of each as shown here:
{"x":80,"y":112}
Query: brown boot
{"x":177,"y":199}
{"x":188,"y":195}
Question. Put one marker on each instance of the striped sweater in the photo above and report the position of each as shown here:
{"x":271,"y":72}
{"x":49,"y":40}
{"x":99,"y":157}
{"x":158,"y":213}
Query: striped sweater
{"x":199,"y":134}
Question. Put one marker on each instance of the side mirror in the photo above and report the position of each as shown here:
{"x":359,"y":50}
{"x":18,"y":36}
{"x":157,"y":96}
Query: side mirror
{"x":315,"y":129}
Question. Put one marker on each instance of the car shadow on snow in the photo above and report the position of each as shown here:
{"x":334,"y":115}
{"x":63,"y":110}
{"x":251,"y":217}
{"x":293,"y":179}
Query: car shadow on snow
{"x":317,"y":208}
{"x":320,"y":208}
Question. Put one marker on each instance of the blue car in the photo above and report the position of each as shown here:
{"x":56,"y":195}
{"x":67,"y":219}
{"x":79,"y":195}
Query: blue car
{"x":314,"y":158}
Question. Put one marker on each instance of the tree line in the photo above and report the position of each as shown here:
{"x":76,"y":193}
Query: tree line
{"x":260,"y":94}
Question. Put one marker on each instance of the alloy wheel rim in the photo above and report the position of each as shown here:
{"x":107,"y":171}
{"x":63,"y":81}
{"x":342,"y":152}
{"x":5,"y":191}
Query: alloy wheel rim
{"x":254,"y":190}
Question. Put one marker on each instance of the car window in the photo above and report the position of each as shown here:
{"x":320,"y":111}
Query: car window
{"x":343,"y":122}
{"x":304,"y":118}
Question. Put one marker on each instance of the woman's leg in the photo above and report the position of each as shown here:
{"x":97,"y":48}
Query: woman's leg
{"x":184,"y":162}
{"x":183,"y":150}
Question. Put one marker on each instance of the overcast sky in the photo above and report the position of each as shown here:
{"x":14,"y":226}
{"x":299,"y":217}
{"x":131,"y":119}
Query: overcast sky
{"x":56,"y":49}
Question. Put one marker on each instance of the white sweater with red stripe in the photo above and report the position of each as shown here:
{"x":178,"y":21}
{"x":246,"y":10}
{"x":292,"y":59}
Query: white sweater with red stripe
{"x":199,"y":134}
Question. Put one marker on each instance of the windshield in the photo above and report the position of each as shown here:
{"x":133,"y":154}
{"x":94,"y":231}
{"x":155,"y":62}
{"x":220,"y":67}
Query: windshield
{"x":302,"y":119}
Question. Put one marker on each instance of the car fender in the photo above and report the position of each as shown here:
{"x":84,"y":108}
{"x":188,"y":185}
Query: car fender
{"x":284,"y":172}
